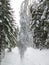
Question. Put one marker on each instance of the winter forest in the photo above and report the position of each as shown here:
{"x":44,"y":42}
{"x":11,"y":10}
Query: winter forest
{"x":24,"y":38}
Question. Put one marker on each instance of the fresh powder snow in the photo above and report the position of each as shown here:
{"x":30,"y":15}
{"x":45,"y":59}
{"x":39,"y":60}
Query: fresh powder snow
{"x":31,"y":57}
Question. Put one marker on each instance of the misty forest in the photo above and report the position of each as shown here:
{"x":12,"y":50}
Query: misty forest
{"x":28,"y":42}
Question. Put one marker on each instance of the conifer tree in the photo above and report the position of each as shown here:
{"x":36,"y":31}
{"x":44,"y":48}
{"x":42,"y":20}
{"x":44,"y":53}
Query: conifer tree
{"x":25,"y":36}
{"x":7,"y":29}
{"x":40,"y":24}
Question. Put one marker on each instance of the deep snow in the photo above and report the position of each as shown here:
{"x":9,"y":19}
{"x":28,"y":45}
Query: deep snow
{"x":31,"y":57}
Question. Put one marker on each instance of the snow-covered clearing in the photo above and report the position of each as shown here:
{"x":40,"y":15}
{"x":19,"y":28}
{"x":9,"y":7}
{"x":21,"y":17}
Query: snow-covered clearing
{"x":31,"y":57}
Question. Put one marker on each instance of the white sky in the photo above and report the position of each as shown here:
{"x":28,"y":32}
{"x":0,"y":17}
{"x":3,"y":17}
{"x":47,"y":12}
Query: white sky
{"x":15,"y":4}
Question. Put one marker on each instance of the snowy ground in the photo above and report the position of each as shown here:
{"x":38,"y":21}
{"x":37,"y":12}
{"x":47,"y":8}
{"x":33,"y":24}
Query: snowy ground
{"x":31,"y":57}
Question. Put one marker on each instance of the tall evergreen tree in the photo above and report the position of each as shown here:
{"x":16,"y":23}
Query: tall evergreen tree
{"x":25,"y":36}
{"x":7,"y":38}
{"x":40,"y":24}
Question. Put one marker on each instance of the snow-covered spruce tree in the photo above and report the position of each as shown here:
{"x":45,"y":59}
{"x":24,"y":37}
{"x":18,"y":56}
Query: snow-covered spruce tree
{"x":1,"y":42}
{"x":40,"y":24}
{"x":7,"y":39}
{"x":25,"y":37}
